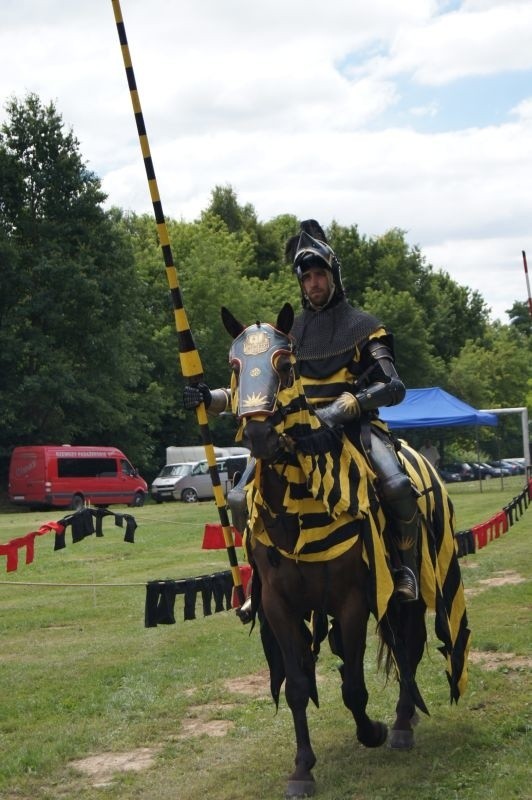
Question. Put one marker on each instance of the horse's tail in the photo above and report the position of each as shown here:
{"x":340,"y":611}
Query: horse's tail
{"x":393,"y":656}
{"x":385,"y":660}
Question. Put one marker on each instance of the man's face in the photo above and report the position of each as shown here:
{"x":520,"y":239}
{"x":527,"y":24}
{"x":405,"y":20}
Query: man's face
{"x":315,"y":282}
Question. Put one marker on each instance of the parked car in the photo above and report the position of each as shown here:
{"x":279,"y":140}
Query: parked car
{"x":461,"y":468}
{"x":483,"y":471}
{"x":448,"y":476}
{"x":70,"y":476}
{"x":191,"y":482}
{"x":519,"y":462}
{"x":164,"y":484}
{"x":506,"y":467}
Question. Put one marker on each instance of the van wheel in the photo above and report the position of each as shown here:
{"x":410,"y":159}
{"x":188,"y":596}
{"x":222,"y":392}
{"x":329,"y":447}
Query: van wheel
{"x":138,"y":500}
{"x":189,"y":496}
{"x":77,"y":502}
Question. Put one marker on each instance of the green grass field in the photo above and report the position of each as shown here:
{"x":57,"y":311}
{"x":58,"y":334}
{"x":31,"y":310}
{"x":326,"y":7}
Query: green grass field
{"x":186,"y":706}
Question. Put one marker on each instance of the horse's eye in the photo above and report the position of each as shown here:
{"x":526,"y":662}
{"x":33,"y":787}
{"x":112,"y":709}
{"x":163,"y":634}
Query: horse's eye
{"x":282,"y":364}
{"x":283,"y":367}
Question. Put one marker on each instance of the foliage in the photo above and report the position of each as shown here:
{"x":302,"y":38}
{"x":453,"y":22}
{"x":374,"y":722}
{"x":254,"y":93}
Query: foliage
{"x":520,"y":317}
{"x":416,"y":362}
{"x":88,"y":346}
{"x":494,"y":372}
{"x":72,"y":360}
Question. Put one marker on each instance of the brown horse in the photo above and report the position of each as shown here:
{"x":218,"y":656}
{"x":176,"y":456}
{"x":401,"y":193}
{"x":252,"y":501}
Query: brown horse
{"x":317,"y":541}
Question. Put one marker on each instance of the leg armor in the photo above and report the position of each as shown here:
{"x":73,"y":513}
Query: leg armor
{"x":237,"y":500}
{"x":399,"y":500}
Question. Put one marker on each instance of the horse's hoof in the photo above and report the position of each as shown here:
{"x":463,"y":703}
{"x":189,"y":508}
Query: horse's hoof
{"x":401,"y":740}
{"x":306,"y":788}
{"x":377,"y":735}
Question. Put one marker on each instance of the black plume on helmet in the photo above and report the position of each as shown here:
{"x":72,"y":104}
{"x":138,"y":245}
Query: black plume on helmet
{"x":309,"y":248}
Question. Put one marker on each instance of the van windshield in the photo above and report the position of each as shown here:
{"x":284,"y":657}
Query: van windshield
{"x":174,"y":470}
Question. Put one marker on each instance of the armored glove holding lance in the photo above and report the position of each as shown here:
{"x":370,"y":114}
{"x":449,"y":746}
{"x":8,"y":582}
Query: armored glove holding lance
{"x":216,"y":400}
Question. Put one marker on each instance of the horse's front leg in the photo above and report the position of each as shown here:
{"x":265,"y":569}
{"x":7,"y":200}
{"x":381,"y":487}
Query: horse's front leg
{"x":351,"y":628}
{"x":414,"y":636}
{"x":300,"y":685}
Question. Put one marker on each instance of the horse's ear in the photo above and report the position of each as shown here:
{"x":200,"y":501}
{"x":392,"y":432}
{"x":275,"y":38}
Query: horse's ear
{"x":285,"y":318}
{"x":231,"y":324}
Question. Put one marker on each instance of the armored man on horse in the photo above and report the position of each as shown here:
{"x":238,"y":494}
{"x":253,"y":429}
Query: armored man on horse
{"x":346,"y":362}
{"x":339,"y":519}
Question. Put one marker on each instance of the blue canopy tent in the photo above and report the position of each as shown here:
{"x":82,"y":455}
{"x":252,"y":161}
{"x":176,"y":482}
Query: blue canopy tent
{"x":431,"y":408}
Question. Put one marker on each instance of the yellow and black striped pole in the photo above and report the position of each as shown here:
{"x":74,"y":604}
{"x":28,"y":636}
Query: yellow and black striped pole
{"x":188,"y":355}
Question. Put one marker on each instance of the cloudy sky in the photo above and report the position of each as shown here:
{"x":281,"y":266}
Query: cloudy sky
{"x":414,"y":114}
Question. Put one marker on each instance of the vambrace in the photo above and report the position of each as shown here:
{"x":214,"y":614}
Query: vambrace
{"x":389,"y":389}
{"x":220,"y":401}
{"x":381,"y":394}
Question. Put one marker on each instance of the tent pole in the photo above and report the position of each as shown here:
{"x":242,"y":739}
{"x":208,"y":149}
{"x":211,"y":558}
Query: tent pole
{"x":478,"y":459}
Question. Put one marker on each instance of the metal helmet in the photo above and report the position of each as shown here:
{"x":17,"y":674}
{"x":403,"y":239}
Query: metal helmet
{"x":310,"y":249}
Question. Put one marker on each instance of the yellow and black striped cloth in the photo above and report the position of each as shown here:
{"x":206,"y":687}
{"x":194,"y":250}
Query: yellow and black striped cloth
{"x":441,"y":582}
{"x":330,"y":488}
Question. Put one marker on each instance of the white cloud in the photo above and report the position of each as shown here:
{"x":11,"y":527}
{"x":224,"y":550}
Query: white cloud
{"x":478,"y":39}
{"x":523,"y":110}
{"x":279,"y":100}
{"x":492,"y":267}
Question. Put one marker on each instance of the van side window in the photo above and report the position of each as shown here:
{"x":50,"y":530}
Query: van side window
{"x":126,"y":467}
{"x":201,"y":468}
{"x":86,"y":467}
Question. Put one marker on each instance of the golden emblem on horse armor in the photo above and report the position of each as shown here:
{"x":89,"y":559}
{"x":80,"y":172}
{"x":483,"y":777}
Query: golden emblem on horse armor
{"x":254,"y":400}
{"x":255,"y":343}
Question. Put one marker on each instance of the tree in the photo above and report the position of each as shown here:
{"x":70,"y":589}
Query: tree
{"x":456,"y":313}
{"x":520,"y":317}
{"x":401,"y":316}
{"x":495,"y":372}
{"x":72,"y":366}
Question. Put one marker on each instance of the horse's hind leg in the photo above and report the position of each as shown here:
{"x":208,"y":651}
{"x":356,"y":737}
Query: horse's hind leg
{"x":352,"y":631}
{"x":414,"y":639}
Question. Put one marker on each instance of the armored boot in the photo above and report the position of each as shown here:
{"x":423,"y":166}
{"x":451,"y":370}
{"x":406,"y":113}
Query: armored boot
{"x":245,"y":613}
{"x":406,"y":577}
{"x":237,"y":498}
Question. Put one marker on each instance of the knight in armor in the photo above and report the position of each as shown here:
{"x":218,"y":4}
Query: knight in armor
{"x":346,"y":362}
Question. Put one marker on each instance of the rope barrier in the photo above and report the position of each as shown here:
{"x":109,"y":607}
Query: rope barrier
{"x":68,"y":585}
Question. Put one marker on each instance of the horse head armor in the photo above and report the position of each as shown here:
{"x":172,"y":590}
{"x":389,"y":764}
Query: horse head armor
{"x":262,"y":361}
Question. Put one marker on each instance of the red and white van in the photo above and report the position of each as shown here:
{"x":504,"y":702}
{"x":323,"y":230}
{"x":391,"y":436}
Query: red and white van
{"x":73,"y":476}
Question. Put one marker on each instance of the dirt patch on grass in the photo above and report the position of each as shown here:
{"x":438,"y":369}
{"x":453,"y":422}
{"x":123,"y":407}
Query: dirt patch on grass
{"x":101,"y":768}
{"x":502,"y":578}
{"x":493,"y":660}
{"x":202,"y":727}
{"x":256,"y":685}
{"x":199,"y":720}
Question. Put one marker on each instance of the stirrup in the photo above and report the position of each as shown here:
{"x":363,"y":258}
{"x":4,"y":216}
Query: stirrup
{"x":244,"y":612}
{"x":405,"y":585}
